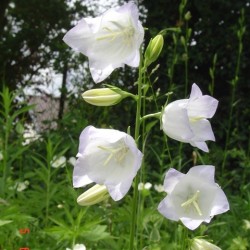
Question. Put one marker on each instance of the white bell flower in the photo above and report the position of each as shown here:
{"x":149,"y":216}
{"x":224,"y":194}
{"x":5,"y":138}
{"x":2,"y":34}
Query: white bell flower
{"x":193,"y":197}
{"x":109,"y":41}
{"x":107,"y":157}
{"x":186,"y":120}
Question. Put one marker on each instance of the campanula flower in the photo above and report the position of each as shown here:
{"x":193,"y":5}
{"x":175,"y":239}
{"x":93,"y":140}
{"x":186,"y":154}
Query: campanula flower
{"x":193,"y":197}
{"x":109,"y":41}
{"x":186,"y":120}
{"x":107,"y":157}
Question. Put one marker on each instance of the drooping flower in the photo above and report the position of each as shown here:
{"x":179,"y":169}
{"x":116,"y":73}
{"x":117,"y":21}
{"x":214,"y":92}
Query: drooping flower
{"x":193,"y":197}
{"x":107,"y":157}
{"x":201,"y":244}
{"x":109,"y":41}
{"x":186,"y":120}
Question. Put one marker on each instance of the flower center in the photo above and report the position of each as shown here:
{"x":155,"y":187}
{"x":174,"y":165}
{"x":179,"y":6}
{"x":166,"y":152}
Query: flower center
{"x":116,"y":153}
{"x":193,"y":201}
{"x":124,"y":32}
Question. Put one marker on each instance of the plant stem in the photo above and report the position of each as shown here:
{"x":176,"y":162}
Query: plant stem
{"x":133,"y":235}
{"x":184,"y":239}
{"x":155,"y":115}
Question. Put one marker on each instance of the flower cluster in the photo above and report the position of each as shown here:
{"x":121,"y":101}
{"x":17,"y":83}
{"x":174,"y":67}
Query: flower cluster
{"x":30,"y":135}
{"x":110,"y":159}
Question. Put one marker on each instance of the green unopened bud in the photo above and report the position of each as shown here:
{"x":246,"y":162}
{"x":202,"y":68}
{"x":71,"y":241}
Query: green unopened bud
{"x":154,"y":49}
{"x":201,"y":244}
{"x":94,"y":195}
{"x":102,"y":97}
{"x":188,"y":16}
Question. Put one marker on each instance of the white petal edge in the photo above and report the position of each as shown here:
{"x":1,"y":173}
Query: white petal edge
{"x":220,"y":204}
{"x":204,"y":172}
{"x":191,"y":223}
{"x":201,"y":145}
{"x":171,"y":179}
{"x":203,"y":107}
{"x":167,"y":209}
{"x":195,"y":92}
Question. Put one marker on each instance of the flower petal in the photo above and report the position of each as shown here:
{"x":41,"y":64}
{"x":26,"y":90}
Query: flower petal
{"x":203,"y":172}
{"x":202,"y":107}
{"x":195,"y":92}
{"x":80,"y":178}
{"x":175,"y":122}
{"x":81,"y":32}
{"x":119,"y":190}
{"x":200,"y":145}
{"x":171,"y":179}
{"x":167,"y":209}
{"x":220,"y":204}
{"x":100,"y":71}
{"x":202,"y":130}
{"x":191,"y":223}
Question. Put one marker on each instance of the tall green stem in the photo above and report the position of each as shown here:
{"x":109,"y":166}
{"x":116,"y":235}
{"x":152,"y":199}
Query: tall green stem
{"x":133,"y":235}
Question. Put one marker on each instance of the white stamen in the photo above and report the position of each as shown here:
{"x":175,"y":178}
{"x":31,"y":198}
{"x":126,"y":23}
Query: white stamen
{"x":193,"y":201}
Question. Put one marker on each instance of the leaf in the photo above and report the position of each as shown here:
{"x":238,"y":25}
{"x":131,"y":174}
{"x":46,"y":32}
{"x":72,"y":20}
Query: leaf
{"x":3,"y":222}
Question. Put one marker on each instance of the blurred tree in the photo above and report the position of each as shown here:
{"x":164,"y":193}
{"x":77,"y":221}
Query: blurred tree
{"x":31,"y":39}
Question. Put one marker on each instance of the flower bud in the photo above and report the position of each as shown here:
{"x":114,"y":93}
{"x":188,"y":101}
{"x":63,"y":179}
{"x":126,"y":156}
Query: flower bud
{"x":94,"y":195}
{"x":188,"y":16}
{"x":154,"y":49}
{"x":102,"y":97}
{"x":201,"y":244}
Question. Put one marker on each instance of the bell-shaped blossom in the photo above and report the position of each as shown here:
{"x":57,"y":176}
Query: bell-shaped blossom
{"x":109,"y":41}
{"x":107,"y":157}
{"x":194,"y":197}
{"x":186,"y":120}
